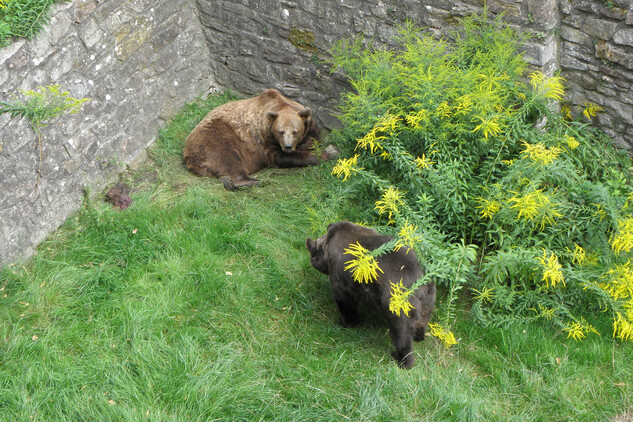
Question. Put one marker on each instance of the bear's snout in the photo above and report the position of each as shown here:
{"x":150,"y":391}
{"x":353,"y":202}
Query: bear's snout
{"x":288,"y":144}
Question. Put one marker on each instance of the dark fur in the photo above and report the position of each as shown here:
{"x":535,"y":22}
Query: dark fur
{"x":242,"y":137}
{"x":326,"y":255}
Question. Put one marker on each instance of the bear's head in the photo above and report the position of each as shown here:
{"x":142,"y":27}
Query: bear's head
{"x":317,"y":254}
{"x":289,"y":127}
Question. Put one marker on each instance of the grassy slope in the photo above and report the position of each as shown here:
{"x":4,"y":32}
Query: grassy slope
{"x":198,"y":304}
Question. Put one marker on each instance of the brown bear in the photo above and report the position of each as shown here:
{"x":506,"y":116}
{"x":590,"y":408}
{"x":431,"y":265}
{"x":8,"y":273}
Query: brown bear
{"x":327,"y":256}
{"x":242,"y":137}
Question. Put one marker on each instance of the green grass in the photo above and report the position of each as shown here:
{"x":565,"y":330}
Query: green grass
{"x":23,"y":18}
{"x":199,"y":304}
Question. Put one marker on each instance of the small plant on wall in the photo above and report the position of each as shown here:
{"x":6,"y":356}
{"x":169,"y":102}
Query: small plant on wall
{"x":455,"y":150}
{"x":39,"y":106}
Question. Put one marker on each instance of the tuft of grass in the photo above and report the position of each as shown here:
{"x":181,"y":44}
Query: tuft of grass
{"x":23,"y":18}
{"x":199,"y":304}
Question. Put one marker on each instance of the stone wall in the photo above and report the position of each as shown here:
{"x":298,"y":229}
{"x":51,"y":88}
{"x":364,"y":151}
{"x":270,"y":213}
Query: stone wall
{"x":597,"y":61}
{"x":138,"y":61}
{"x":257,"y":44}
{"x":281,"y":43}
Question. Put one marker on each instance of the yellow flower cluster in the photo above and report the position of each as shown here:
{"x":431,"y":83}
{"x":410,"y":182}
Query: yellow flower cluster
{"x":444,"y":110}
{"x":490,"y":82}
{"x":415,"y":120}
{"x":489,"y":207}
{"x":547,"y":87}
{"x":623,"y":240}
{"x":364,"y":266}
{"x":623,"y":325}
{"x":571,"y":142}
{"x":552,"y":270}
{"x":446,"y":336}
{"x":390,"y":202}
{"x":345,"y":167}
{"x":579,"y":256}
{"x":488,"y":127}
{"x":620,"y":282}
{"x":540,"y":154}
{"x":464,"y":105}
{"x":371,"y":141}
{"x":579,"y":330}
{"x":591,"y":110}
{"x":387,"y":124}
{"x":565,"y":111}
{"x":536,"y":205}
{"x":399,"y":299}
{"x":423,"y":162}
{"x":407,"y":237}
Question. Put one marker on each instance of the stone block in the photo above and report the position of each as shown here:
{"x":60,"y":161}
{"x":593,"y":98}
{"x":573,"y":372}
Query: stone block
{"x":568,"y":62}
{"x":540,"y":55}
{"x":90,"y":34}
{"x":612,"y":12}
{"x":599,"y":28}
{"x":565,"y":7}
{"x":624,"y":37}
{"x":131,"y":36}
{"x":579,"y":51}
{"x":611,"y":53}
{"x":12,"y":53}
{"x":543,"y":13}
{"x":574,"y":35}
{"x":585,"y":5}
{"x":83,"y":9}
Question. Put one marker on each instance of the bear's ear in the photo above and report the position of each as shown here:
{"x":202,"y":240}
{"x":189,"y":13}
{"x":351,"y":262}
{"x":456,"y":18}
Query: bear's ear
{"x":305,"y":113}
{"x":311,"y":245}
{"x":272,"y":115}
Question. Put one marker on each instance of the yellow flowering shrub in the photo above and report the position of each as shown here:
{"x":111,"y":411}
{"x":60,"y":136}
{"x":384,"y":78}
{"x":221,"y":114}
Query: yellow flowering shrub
{"x":458,"y":153}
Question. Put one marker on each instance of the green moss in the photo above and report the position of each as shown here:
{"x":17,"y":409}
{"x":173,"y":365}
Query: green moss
{"x":303,"y":40}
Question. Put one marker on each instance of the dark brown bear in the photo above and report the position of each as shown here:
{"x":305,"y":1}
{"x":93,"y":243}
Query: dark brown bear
{"x":242,"y":137}
{"x":326,"y":255}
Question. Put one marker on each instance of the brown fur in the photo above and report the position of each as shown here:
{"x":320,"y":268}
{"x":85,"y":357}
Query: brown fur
{"x":326,"y":255}
{"x":242,"y":137}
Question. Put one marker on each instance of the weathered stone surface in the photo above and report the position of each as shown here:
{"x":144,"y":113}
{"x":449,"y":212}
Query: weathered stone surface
{"x":600,"y":28}
{"x":568,"y":62}
{"x":132,"y":59}
{"x":541,"y":12}
{"x":606,"y":73}
{"x":624,"y":37}
{"x":610,"y":52}
{"x":569,"y":33}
